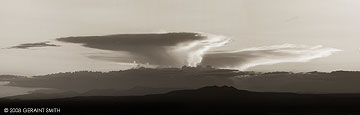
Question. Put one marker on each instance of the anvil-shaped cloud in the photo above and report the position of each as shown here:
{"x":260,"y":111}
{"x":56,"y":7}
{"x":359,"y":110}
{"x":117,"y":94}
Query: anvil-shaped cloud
{"x":178,"y":49}
{"x":167,"y":49}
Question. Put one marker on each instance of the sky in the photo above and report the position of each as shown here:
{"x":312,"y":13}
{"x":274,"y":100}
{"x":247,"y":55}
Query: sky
{"x":249,"y":24}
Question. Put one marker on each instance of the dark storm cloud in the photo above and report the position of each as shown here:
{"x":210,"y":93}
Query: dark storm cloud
{"x":267,"y":55}
{"x":31,"y":45}
{"x":167,"y":49}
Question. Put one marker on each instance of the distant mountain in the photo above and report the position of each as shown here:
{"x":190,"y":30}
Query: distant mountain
{"x":187,"y":77}
{"x":9,"y":77}
{"x":206,"y":100}
{"x":53,"y":94}
{"x":136,"y":91}
{"x":209,"y":91}
{"x":193,"y":78}
{"x":38,"y":95}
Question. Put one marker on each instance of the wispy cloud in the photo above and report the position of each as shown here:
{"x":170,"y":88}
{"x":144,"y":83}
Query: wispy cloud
{"x":267,"y":55}
{"x":31,"y":45}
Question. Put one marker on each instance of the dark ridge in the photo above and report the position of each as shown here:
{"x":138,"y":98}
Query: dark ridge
{"x":209,"y":90}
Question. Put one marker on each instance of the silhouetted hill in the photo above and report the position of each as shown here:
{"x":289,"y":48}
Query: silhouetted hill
{"x":206,"y":100}
{"x":213,"y":91}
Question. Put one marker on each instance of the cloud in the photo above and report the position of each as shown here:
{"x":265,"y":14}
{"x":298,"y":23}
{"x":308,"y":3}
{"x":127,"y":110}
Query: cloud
{"x":30,"y":45}
{"x":163,"y":49}
{"x":178,"y":49}
{"x":267,"y":55}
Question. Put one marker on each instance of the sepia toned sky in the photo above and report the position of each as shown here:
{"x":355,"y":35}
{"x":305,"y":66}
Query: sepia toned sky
{"x":249,"y":23}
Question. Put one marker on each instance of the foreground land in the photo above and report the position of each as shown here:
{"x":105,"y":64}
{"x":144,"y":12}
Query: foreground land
{"x":206,"y":100}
